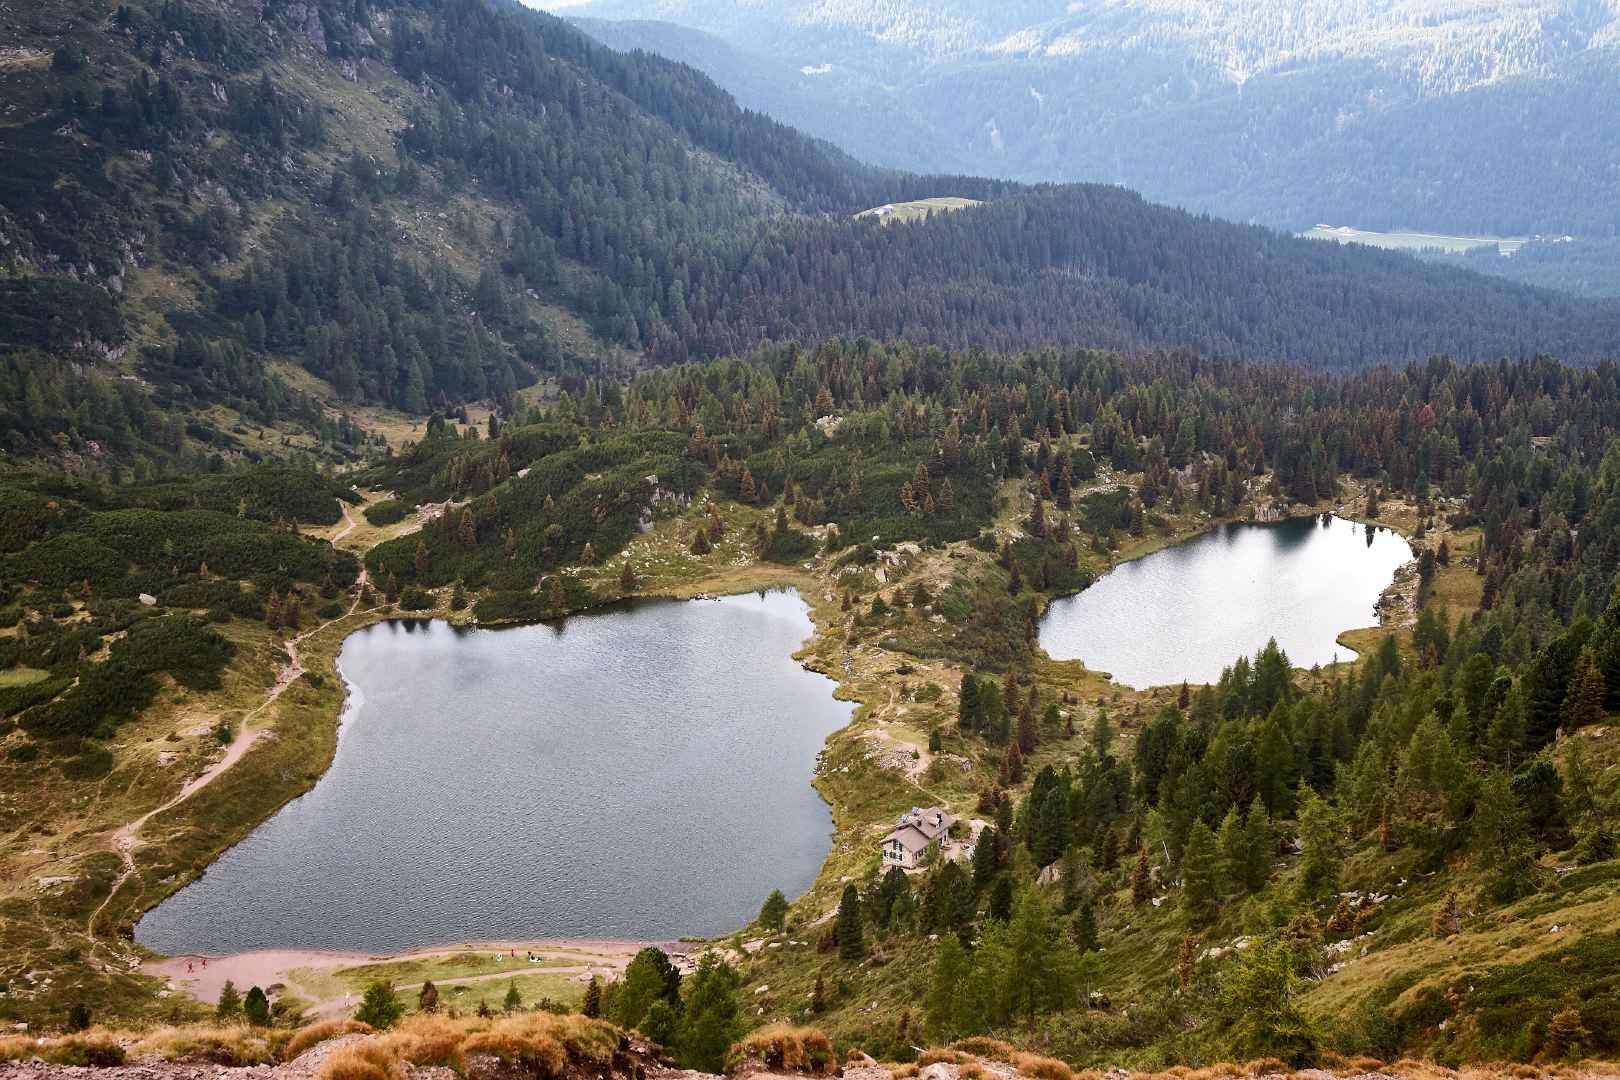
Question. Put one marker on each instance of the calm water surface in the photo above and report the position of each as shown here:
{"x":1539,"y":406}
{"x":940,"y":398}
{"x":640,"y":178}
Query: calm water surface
{"x":636,"y":774}
{"x":1190,"y":610}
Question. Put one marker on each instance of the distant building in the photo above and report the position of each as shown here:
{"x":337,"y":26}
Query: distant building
{"x":915,"y":833}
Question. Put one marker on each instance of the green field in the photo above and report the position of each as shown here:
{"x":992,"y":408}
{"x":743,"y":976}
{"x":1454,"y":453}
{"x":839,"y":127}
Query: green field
{"x":1413,"y":241}
{"x":917,"y":209}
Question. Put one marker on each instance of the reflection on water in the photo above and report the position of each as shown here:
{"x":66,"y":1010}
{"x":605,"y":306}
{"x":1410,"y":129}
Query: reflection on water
{"x":1188,"y":611}
{"x":641,"y":773}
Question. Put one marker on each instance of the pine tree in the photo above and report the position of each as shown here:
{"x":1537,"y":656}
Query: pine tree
{"x":272,"y":611}
{"x":1319,"y":865}
{"x":230,"y":1002}
{"x":513,"y":1000}
{"x":587,"y":554}
{"x":591,"y":1006}
{"x":947,"y":497}
{"x":746,"y":491}
{"x":712,"y":1020}
{"x":1200,"y":877}
{"x":292,"y":612}
{"x":818,"y":995}
{"x":468,"y":531}
{"x":773,"y":913}
{"x":1584,"y":704}
{"x":420,"y":564}
{"x":627,"y":576}
{"x":379,"y":1007}
{"x":428,"y":999}
{"x":391,"y":589}
{"x":700,"y":545}
{"x":557,"y":596}
{"x":1085,"y":928}
{"x":1141,"y":877}
{"x":851,"y":934}
{"x":256,"y":1007}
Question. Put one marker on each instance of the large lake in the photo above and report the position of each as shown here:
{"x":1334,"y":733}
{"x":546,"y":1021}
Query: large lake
{"x":637,"y":774}
{"x":1188,"y":611}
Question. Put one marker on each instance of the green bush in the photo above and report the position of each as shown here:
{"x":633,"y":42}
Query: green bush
{"x":415,"y":599}
{"x":387,"y":512}
{"x":90,"y":765}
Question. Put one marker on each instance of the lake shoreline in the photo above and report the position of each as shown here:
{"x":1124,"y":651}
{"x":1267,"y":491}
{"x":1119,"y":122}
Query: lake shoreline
{"x":635,"y":630}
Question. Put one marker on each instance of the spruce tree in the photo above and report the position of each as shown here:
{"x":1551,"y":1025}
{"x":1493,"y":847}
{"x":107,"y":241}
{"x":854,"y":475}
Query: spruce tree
{"x":256,"y":1007}
{"x":1200,"y":877}
{"x":591,"y":1006}
{"x":230,"y":1002}
{"x":711,"y":1020}
{"x":1319,"y":865}
{"x":851,"y":934}
{"x":1141,"y":877}
{"x":428,"y":999}
{"x":379,"y":1007}
{"x":773,"y":913}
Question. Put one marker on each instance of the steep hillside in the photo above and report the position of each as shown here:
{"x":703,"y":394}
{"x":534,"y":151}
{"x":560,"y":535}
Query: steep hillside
{"x":225,"y":227}
{"x":1471,"y":118}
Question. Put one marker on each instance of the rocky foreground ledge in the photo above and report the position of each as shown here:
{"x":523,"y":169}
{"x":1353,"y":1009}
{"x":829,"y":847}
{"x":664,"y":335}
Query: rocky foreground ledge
{"x":502,"y":1055}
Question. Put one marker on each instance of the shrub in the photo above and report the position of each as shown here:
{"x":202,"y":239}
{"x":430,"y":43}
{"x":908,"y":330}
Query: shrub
{"x":804,"y":1050}
{"x":90,"y":765}
{"x":540,"y":1054}
{"x":94,"y":1050}
{"x":981,"y":1046}
{"x":232,"y":1046}
{"x":318,"y":1033}
{"x":1042,"y":1068}
{"x":361,"y":1061}
{"x":427,"y":1040}
{"x":387,"y":512}
{"x":415,"y":599}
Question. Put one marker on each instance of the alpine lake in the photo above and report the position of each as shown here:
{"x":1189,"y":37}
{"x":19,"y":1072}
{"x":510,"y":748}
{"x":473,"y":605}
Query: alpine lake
{"x":645,"y":772}
{"x":1188,"y":611}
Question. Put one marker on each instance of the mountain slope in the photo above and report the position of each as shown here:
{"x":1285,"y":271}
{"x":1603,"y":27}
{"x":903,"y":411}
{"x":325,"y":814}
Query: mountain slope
{"x":1470,"y":118}
{"x":422,"y":206}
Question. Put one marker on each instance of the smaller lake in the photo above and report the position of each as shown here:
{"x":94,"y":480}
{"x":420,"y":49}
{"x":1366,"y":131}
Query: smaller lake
{"x":1189,"y":611}
{"x":639,"y":774}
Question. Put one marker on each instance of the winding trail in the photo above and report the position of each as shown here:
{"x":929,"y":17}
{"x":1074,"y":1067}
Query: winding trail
{"x":126,"y":838}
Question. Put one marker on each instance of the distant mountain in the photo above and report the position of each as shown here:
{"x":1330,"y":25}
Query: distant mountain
{"x":422,"y":204}
{"x":1467,"y":117}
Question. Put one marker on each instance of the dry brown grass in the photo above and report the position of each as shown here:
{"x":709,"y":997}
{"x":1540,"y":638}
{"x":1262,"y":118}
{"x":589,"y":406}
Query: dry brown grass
{"x":366,"y":1060}
{"x":93,"y":1048}
{"x":233,"y":1045}
{"x":904,"y":1072}
{"x":936,"y":1055}
{"x":801,"y":1050}
{"x":540,"y":1054}
{"x":1042,"y":1068}
{"x":427,"y":1039}
{"x":973,"y":1071}
{"x":980,"y":1046}
{"x":318,"y":1033}
{"x":1266,"y":1067}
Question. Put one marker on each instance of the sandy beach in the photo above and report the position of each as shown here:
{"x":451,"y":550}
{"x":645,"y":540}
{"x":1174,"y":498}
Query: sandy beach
{"x":203,"y":977}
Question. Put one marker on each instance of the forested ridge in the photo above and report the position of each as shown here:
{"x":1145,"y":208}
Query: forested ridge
{"x":1439,"y":787}
{"x":425,"y":205}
